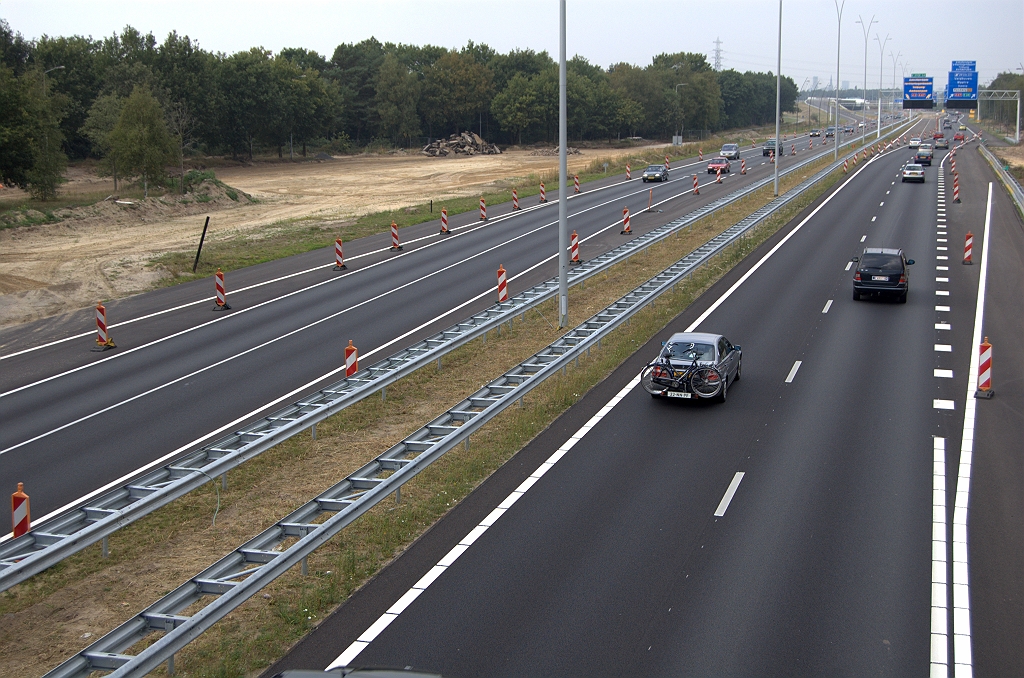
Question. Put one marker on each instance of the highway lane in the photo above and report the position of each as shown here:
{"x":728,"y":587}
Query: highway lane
{"x":821,"y":562}
{"x":194,"y":399}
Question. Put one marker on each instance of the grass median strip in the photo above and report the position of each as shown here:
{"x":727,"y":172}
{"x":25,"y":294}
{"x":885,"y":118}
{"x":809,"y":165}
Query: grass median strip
{"x":57,"y":613}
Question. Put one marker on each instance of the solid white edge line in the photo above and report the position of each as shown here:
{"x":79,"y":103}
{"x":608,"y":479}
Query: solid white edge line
{"x":353,"y":650}
{"x":962,"y":652}
{"x":939,"y":645}
{"x":792,"y":372}
{"x":828,"y":305}
{"x":357,"y":646}
{"x":730,"y":492}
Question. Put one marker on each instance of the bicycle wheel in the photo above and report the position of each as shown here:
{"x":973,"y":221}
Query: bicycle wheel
{"x":706,"y":382}
{"x":647,"y":380}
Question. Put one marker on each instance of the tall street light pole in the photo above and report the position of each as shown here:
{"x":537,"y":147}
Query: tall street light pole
{"x":895,"y":58}
{"x":778,"y":104}
{"x":881,"y":60}
{"x":839,"y":35}
{"x":863,"y":109}
{"x":563,"y":173}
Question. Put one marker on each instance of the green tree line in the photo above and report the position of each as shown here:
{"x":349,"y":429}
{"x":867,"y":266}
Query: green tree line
{"x":141,"y":105}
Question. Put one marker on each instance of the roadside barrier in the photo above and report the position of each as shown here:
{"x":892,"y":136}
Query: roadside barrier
{"x":810,"y":143}
{"x":854,"y":159}
{"x":793,"y":150}
{"x":543,"y":194}
{"x":984,"y":371}
{"x":626,"y":230}
{"x":351,"y":359}
{"x":502,"y":285}
{"x":483,"y":209}
{"x":394,"y":238}
{"x":696,"y":187}
{"x":743,"y":166}
{"x":575,"y":249}
{"x":956,"y":187}
{"x":700,"y":157}
{"x":222,"y":295}
{"x":771,"y":157}
{"x":444,"y":221}
{"x":21,"y":521}
{"x":103,"y":339}
{"x":628,"y":176}
{"x":846,"y":165}
{"x":718,"y":175}
{"x":968,"y":248}
{"x":339,"y":255}
{"x":576,"y":183}
{"x":515,"y":199}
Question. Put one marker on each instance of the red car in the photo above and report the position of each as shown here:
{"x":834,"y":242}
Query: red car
{"x":959,"y":136}
{"x":938,"y":135}
{"x":719,"y":164}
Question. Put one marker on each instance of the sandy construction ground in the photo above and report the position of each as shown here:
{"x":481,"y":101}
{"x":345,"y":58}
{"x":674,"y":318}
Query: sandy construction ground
{"x":104,"y":251}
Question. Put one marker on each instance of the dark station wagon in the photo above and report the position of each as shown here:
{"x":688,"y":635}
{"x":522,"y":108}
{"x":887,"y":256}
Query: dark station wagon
{"x":882,"y":271}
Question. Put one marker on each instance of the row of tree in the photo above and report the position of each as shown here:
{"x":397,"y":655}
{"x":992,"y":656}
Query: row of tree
{"x":81,"y":97}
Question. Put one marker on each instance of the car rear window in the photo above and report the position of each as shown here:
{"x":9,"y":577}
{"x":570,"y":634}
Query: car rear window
{"x":883,"y":262}
{"x":682,"y":351}
{"x":730,"y":147}
{"x":654,"y":168}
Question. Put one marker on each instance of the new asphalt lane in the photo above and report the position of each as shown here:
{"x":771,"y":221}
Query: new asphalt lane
{"x":613,"y":559}
{"x":75,"y":420}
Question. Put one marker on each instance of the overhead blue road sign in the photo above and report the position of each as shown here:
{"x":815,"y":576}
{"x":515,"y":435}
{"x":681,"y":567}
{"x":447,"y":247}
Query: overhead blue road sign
{"x":963,"y":85}
{"x":964,"y":66}
{"x":917,"y":93}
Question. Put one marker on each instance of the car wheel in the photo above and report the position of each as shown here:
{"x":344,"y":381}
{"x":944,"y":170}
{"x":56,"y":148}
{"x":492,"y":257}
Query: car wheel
{"x":725,"y":391}
{"x":856,"y":295}
{"x":903,"y":180}
{"x":645,"y":180}
{"x":739,"y":370}
{"x":903,"y":298}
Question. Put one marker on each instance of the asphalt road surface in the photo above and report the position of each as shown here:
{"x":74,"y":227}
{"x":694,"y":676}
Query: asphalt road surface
{"x":788,"y":531}
{"x":75,"y":421}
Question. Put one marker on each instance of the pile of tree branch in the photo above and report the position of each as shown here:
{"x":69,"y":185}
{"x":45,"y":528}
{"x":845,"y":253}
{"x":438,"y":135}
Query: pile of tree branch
{"x":554,"y":151}
{"x":466,"y":143}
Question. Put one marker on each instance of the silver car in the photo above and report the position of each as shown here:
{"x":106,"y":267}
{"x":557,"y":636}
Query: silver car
{"x":693,"y":366}
{"x":730,"y":151}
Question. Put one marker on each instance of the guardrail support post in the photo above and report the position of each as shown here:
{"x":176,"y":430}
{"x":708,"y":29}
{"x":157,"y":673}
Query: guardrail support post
{"x":105,"y":548}
{"x":383,"y":393}
{"x":438,"y":364}
{"x":312,"y":432}
{"x":224,"y":480}
{"x":170,"y":665}
{"x":305,"y":567}
{"x":398,"y":494}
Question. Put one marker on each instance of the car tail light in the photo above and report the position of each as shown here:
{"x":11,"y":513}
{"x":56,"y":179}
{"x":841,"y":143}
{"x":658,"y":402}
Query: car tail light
{"x":856,"y":276}
{"x":903,"y":278}
{"x":659,"y":372}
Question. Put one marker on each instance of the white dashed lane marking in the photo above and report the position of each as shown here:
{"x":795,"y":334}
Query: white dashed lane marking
{"x":942,"y":404}
{"x":943,"y":309}
{"x":942,"y":293}
{"x":943,"y":348}
{"x":942,"y":280}
{"x":849,"y":265}
{"x":863,"y":238}
{"x":792,"y":372}
{"x":828,"y":305}
{"x":943,"y":326}
{"x":943,"y":374}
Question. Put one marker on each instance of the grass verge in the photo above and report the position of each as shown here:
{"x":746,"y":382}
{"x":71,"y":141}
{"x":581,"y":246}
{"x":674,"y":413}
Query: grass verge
{"x":56,"y":613}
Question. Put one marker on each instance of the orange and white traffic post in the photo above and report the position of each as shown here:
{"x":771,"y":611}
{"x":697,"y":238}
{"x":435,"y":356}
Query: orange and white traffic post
{"x":444,"y":221}
{"x":771,"y":157}
{"x":543,"y":194}
{"x":21,"y":519}
{"x":351,"y":359}
{"x":628,"y":175}
{"x":483,"y":209}
{"x":574,"y":249}
{"x":984,"y":370}
{"x":956,"y":187}
{"x":854,"y":159}
{"x":743,"y":166}
{"x":103,"y":339}
{"x":222,"y":295}
{"x":810,"y":143}
{"x":968,"y":248}
{"x":576,"y":183}
{"x":626,"y":230}
{"x":846,"y":165}
{"x":339,"y":256}
{"x":395,"y":246}
{"x":502,"y":285}
{"x":696,"y":186}
{"x":666,"y":162}
{"x":515,"y":199}
{"x":718,"y":175}
{"x":793,"y":151}
{"x":700,"y":155}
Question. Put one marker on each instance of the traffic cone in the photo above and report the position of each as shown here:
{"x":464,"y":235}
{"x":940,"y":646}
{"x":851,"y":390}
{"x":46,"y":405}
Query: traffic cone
{"x":351,"y":359}
{"x":21,"y":519}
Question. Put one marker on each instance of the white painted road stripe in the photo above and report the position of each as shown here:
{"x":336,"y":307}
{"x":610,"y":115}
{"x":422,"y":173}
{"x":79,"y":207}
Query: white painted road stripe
{"x":849,"y":265}
{"x":943,"y":374}
{"x":792,"y":372}
{"x":943,"y":326}
{"x":944,"y":309}
{"x":828,"y":305}
{"x":939,"y":653}
{"x":942,"y":404}
{"x":863,"y":238}
{"x":944,"y":348}
{"x":723,"y":505}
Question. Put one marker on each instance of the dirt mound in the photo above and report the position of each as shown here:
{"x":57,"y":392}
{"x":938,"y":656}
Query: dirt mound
{"x":554,"y":151}
{"x":466,"y":143}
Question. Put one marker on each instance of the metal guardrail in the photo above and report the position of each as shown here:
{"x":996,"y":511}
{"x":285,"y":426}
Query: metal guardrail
{"x":50,"y":542}
{"x":1008,"y":180}
{"x":245,"y":571}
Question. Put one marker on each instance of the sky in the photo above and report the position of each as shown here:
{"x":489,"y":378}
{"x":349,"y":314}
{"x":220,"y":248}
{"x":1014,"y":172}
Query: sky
{"x":925,"y":35}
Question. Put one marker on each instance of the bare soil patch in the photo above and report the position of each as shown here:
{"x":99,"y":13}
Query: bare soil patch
{"x":105,"y":251}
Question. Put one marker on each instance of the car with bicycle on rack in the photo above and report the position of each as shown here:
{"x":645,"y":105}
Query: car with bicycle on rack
{"x":694,"y":366}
